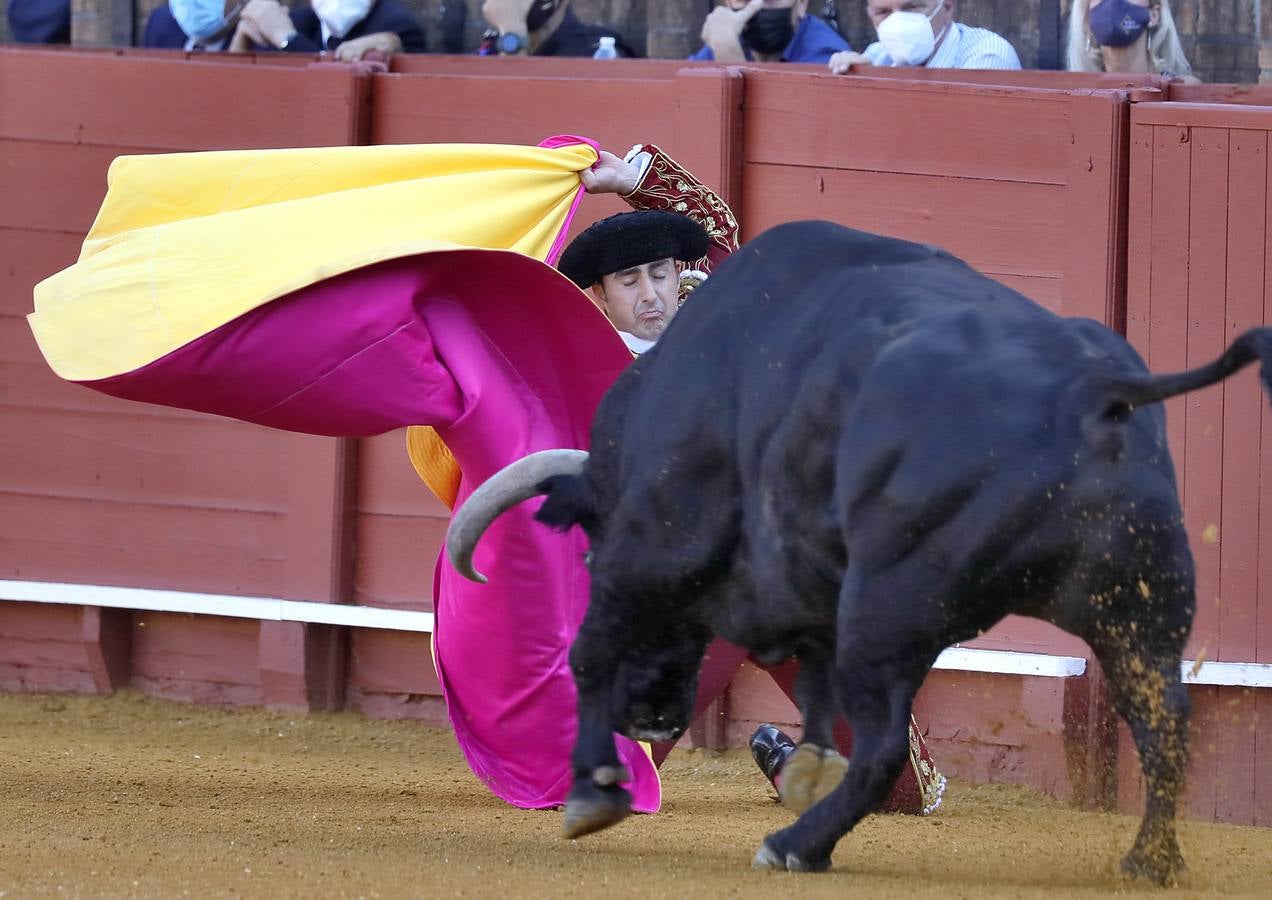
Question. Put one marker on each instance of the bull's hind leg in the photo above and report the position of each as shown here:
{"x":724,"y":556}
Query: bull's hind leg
{"x":1138,"y":629}
{"x":877,"y":673}
{"x":1147,"y":692}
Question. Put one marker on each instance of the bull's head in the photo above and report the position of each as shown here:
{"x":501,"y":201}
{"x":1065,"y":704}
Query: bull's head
{"x":635,"y":668}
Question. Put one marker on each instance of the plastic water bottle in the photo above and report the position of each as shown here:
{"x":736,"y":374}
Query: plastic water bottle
{"x":606,"y":49}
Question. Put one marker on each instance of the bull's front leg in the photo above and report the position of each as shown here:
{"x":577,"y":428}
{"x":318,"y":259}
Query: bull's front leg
{"x":815,"y":767}
{"x":597,"y":800}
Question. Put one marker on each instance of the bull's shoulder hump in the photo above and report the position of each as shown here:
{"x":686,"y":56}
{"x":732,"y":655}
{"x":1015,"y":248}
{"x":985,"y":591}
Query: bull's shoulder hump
{"x":847,"y":246}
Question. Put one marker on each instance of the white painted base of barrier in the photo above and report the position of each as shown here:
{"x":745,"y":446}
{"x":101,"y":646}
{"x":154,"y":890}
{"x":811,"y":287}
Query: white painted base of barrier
{"x":269,"y":608}
{"x":961,"y":659}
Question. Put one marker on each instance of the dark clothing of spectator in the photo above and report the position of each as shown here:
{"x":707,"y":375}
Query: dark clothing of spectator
{"x":162,"y":30}
{"x":576,"y":38}
{"x":385,"y":15}
{"x":814,"y":42}
{"x":40,"y":21}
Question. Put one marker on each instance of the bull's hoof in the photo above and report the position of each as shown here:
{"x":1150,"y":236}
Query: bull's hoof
{"x":809,"y":774}
{"x":591,"y":807}
{"x":770,"y":858}
{"x":1163,"y":867}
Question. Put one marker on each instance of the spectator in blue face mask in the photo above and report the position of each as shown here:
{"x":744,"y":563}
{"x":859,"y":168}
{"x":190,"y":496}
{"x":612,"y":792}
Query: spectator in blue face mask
{"x":40,"y":21}
{"x":767,"y":31}
{"x":348,"y":29}
{"x":192,"y":25}
{"x":1134,"y":36}
{"x":924,"y":33}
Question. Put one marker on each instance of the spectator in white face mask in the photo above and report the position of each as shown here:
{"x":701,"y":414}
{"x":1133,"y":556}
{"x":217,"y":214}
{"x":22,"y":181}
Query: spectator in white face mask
{"x":349,"y":29}
{"x":924,"y":33}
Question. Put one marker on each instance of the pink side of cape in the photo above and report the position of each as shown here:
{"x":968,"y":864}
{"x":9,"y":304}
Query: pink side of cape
{"x":504,"y":357}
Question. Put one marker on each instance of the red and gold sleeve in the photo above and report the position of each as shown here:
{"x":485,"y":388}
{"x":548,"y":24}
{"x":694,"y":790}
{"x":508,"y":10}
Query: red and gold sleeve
{"x":667,"y":185}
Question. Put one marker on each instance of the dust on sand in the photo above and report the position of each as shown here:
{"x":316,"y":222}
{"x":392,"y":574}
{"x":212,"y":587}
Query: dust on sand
{"x":130,"y":796}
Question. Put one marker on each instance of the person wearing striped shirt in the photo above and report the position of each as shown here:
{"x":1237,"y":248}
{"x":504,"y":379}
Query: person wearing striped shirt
{"x":924,"y":33}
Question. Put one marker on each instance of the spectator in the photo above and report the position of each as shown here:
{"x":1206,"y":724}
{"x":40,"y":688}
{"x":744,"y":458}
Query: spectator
{"x":192,"y":25}
{"x":349,"y":28}
{"x":767,"y":31}
{"x":40,"y":21}
{"x":924,"y":33}
{"x":1134,"y":36}
{"x":545,"y":28}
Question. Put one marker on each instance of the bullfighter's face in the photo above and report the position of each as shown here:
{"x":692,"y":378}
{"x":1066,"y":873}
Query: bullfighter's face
{"x":643,"y":299}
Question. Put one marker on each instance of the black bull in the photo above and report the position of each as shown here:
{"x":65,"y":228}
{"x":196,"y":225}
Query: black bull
{"x":856,"y":451}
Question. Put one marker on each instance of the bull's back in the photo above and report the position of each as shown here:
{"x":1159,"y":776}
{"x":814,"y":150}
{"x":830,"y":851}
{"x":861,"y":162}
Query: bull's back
{"x":804,"y":309}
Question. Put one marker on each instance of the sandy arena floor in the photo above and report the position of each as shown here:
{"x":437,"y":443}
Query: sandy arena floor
{"x":134,"y":797}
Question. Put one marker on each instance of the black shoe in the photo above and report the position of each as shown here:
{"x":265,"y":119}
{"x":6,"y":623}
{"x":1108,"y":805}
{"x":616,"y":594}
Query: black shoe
{"x":769,"y":749}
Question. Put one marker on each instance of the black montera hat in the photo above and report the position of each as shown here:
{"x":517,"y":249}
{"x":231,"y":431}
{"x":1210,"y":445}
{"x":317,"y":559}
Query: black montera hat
{"x":631,"y":239}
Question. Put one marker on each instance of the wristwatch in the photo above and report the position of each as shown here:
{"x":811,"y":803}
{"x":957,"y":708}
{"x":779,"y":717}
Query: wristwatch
{"x":510,"y":43}
{"x":287,"y":41}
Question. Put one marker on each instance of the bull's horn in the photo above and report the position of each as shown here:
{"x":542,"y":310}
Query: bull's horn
{"x":502,"y":491}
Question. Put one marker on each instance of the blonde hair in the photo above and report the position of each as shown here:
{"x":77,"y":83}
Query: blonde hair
{"x":1165,"y":53}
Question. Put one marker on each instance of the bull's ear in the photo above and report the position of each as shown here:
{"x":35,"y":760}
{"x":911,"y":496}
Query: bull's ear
{"x":569,"y":503}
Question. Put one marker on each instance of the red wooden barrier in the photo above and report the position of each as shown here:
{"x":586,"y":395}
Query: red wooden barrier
{"x":103,"y":492}
{"x":1026,"y":175}
{"x":1199,"y":254}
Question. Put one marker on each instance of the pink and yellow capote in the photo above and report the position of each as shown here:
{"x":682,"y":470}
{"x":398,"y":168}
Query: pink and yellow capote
{"x":354,"y":290}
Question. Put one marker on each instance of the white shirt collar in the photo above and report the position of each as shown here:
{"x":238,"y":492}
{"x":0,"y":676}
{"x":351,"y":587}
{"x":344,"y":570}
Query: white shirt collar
{"x":635,"y":344}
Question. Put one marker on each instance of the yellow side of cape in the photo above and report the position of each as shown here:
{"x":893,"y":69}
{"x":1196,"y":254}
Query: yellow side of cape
{"x":185,"y":243}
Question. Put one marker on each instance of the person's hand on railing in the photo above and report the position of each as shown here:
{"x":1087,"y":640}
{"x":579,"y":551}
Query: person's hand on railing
{"x":380,"y":45}
{"x":840,"y":62}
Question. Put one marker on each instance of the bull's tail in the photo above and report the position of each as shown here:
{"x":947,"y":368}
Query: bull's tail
{"x":1117,"y":396}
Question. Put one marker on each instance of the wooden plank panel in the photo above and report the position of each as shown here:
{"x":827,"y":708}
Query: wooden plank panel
{"x":53,"y":187}
{"x":207,"y":463}
{"x":1235,"y":758}
{"x":1263,"y":609}
{"x":31,"y":385}
{"x":396,"y":558}
{"x":1094,"y":256}
{"x":88,"y":98}
{"x":1167,"y":349}
{"x":709,"y":129}
{"x":28,"y":257}
{"x":538,"y":66}
{"x":139,"y":545}
{"x":1001,"y":228}
{"x":1139,"y":243}
{"x":1044,"y":290}
{"x":420,"y":109}
{"x":1262,"y":787}
{"x":1027,"y":635}
{"x":195,"y":648}
{"x":43,"y":653}
{"x":395,"y":662}
{"x":959,"y":131}
{"x":1206,"y":115}
{"x":1203,"y":423}
{"x":38,"y":622}
{"x":1200,"y":789}
{"x":1239,"y":532}
{"x":387,"y":483}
